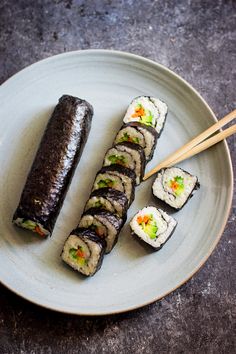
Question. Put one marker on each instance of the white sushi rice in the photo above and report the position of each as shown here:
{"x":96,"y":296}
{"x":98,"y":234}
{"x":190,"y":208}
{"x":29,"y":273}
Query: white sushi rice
{"x":163,"y":191}
{"x":132,"y":133}
{"x":149,"y":140}
{"x":91,"y":203}
{"x":128,"y":158}
{"x":91,"y":250}
{"x":165,"y":224}
{"x":109,"y":231}
{"x":136,"y":157}
{"x":162,"y":109}
{"x":157,"y":107}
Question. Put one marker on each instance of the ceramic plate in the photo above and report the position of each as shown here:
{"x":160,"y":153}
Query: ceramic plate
{"x":130,"y":276}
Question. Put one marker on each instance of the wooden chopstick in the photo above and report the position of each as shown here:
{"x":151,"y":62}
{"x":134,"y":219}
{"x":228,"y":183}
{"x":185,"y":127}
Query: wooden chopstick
{"x":175,"y":157}
{"x":206,"y":144}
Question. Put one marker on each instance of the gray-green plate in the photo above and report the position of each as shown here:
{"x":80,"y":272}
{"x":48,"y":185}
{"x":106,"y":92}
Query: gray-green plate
{"x":130,"y":276}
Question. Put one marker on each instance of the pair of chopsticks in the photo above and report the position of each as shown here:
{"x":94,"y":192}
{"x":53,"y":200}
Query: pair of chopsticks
{"x":198,"y":144}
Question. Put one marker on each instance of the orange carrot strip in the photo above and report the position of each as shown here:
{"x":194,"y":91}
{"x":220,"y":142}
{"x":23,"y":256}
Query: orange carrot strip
{"x":39,"y":231}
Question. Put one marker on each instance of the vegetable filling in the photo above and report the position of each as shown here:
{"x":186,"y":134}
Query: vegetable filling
{"x":103,"y":183}
{"x":148,"y":225}
{"x":145,"y":115}
{"x":78,"y":255}
{"x":177,"y":185}
{"x":127,"y":137}
{"x":33,"y":226}
{"x":117,"y":159}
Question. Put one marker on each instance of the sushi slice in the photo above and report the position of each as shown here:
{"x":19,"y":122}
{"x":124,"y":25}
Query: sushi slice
{"x":147,"y":110}
{"x":175,"y":186}
{"x":141,"y":134}
{"x":105,"y":224}
{"x":117,"y":177}
{"x":153,"y":226}
{"x":129,"y":155}
{"x":84,"y":251}
{"x":54,"y":165}
{"x":109,"y":199}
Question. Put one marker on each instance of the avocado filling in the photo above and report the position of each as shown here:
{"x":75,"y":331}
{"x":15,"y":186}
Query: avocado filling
{"x":145,"y":115}
{"x":177,"y":185}
{"x":78,"y":255}
{"x":103,"y":183}
{"x":148,"y":225}
{"x":117,"y":159}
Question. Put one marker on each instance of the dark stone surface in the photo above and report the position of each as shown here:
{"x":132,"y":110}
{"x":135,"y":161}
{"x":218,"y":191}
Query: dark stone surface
{"x":196,"y":39}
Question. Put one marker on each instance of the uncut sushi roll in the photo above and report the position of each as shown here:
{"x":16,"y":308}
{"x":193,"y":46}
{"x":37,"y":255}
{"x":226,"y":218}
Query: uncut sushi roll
{"x":147,"y":110}
{"x":117,"y":177}
{"x":57,"y":157}
{"x":105,"y":224}
{"x":84,"y":251}
{"x":109,"y":199}
{"x":175,"y":186}
{"x":153,"y":226}
{"x":129,"y":155}
{"x":141,"y":134}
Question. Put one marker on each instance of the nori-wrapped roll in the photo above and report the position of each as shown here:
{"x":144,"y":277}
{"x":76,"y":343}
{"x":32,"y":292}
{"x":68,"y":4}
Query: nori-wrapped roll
{"x":84,"y":251}
{"x":153,"y":226}
{"x":109,"y":199}
{"x":175,"y":186}
{"x":105,"y":224}
{"x":54,"y":164}
{"x":141,"y":134}
{"x":129,"y":155}
{"x":117,"y":177}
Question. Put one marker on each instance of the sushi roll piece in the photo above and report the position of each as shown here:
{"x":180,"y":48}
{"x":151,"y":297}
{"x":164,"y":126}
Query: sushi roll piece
{"x":57,"y":157}
{"x":109,"y":199}
{"x":147,"y":110}
{"x":175,"y":186}
{"x":105,"y":224}
{"x":84,"y":251}
{"x":117,"y":177}
{"x":141,"y":134}
{"x":129,"y":155}
{"x":153,"y":226}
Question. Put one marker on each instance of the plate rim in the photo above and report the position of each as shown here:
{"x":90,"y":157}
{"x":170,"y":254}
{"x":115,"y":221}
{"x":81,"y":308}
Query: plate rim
{"x":147,"y":61}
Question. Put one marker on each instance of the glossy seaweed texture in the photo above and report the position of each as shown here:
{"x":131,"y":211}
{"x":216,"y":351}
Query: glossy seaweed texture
{"x":57,"y":157}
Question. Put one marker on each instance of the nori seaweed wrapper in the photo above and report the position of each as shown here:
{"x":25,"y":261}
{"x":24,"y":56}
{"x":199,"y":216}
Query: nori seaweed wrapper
{"x":150,"y":129}
{"x":114,"y":195}
{"x":123,"y":171}
{"x":58,"y":154}
{"x":195,"y":188}
{"x":88,"y":234}
{"x":139,"y":149}
{"x":112,"y":218}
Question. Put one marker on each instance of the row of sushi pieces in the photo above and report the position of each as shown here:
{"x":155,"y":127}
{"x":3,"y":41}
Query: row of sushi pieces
{"x":114,"y":187}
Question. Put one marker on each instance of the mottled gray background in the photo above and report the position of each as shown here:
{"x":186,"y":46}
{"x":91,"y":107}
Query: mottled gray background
{"x":196,"y":39}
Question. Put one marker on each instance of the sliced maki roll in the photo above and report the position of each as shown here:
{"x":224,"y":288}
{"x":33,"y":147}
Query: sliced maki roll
{"x":129,"y":155}
{"x":84,"y":251}
{"x":105,"y":224}
{"x":109,"y":199}
{"x":153,"y":226}
{"x":117,"y":177}
{"x":54,"y":165}
{"x":175,"y":186}
{"x":141,"y":134}
{"x":147,"y":110}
